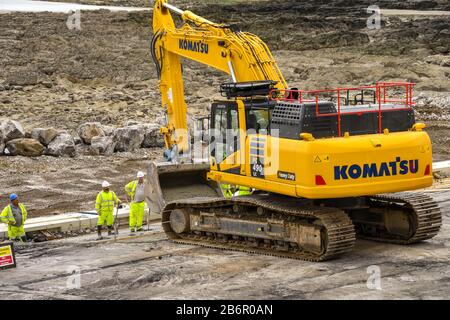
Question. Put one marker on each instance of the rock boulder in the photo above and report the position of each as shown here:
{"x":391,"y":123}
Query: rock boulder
{"x":12,"y":130}
{"x":103,"y":145}
{"x":88,"y":130}
{"x":128,"y":138}
{"x":25,"y":147}
{"x":152,"y":137}
{"x":108,"y":130}
{"x":62,"y":146}
{"x":44,"y":135}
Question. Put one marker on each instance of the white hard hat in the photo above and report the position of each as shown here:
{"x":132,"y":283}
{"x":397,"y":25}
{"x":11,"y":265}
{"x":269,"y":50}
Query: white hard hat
{"x":105,"y":184}
{"x":140,"y":174}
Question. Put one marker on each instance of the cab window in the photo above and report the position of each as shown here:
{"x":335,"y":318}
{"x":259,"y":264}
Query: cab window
{"x":225,"y":131}
{"x":258,"y":120}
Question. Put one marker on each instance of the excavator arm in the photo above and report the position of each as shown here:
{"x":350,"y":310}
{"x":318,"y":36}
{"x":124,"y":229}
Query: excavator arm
{"x":244,"y":56}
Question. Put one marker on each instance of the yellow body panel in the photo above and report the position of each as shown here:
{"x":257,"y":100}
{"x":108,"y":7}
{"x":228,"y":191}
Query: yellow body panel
{"x":351,"y":166}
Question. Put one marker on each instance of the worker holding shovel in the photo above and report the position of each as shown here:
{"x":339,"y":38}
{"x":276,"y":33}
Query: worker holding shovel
{"x":106,"y":199}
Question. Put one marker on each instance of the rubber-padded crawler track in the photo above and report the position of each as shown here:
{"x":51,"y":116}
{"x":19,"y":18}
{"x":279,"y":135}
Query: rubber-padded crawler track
{"x":339,"y":228}
{"x":426,"y":214}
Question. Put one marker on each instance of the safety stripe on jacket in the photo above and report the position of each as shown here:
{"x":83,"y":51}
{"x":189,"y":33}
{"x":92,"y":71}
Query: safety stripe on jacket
{"x":107,"y":203}
{"x":10,"y":214}
{"x":133,"y":189}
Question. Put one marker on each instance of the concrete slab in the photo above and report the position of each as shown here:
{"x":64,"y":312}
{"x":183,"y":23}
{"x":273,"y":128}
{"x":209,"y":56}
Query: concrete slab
{"x":74,"y":221}
{"x":441,"y":166}
{"x":427,"y":13}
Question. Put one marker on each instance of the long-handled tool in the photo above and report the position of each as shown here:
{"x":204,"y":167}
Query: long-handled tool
{"x":116,"y":223}
{"x":148,"y":219}
{"x":129,"y":206}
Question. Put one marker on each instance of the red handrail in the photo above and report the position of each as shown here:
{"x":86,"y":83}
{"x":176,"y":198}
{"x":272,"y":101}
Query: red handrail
{"x":381,"y":95}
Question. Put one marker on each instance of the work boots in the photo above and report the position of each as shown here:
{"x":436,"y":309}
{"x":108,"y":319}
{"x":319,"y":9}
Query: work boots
{"x":20,"y":239}
{"x":99,"y":233}
{"x":110,"y":231}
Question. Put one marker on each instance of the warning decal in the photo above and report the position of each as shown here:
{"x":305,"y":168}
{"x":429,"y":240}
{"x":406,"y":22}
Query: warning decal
{"x":321,"y":158}
{"x":7,"y":256}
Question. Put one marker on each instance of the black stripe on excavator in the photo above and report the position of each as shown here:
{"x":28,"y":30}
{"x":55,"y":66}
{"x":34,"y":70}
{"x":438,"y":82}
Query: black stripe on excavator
{"x":257,"y":145}
{"x":257,"y":152}
{"x":234,"y":170}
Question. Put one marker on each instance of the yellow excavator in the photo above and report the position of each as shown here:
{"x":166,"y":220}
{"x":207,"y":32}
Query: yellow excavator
{"x":324,"y":166}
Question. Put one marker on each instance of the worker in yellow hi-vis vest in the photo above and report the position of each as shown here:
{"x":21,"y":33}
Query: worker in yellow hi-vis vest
{"x":136,"y":191}
{"x":242,"y":191}
{"x":104,"y":205}
{"x":229,"y":190}
{"x":14,"y":215}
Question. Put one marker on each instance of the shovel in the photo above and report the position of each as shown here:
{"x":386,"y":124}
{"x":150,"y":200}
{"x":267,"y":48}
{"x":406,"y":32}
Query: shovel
{"x":116,"y":223}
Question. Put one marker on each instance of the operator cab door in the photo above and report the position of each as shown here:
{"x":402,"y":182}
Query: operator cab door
{"x":224,"y":141}
{"x":258,"y":134}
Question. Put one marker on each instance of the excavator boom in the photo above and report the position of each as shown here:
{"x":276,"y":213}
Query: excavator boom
{"x":243,"y":56}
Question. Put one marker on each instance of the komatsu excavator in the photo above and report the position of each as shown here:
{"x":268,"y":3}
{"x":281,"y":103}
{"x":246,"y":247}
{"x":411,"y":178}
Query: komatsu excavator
{"x":325,"y":166}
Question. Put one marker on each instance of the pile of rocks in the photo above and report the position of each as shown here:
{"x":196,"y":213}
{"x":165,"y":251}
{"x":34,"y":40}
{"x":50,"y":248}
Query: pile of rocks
{"x":105,"y":140}
{"x":93,"y":139}
{"x":15,"y":141}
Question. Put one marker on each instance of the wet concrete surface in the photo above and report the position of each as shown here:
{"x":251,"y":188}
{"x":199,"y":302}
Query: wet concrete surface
{"x":149,"y":266}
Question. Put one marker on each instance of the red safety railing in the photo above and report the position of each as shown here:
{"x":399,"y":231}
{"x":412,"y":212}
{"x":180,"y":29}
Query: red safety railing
{"x":398,"y":94}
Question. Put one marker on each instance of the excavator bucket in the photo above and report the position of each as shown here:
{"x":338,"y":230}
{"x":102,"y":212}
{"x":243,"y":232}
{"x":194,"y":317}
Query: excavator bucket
{"x":167,"y":182}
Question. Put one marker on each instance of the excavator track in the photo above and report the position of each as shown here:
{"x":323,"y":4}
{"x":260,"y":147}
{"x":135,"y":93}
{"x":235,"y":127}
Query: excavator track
{"x":331,"y":225}
{"x":422,"y":212}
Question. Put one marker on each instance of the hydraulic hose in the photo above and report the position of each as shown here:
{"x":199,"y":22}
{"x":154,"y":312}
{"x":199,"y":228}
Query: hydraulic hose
{"x":155,"y":38}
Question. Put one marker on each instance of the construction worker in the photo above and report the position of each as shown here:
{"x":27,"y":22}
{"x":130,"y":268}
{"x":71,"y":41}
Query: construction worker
{"x":14,"y":215}
{"x":235,"y":191}
{"x":136,"y":191}
{"x":104,"y":205}
{"x":242,"y":191}
{"x":227,"y":190}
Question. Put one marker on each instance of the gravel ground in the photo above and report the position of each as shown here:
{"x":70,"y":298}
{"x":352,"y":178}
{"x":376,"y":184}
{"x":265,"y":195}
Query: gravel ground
{"x":151,"y":267}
